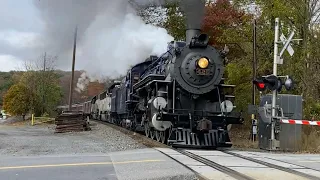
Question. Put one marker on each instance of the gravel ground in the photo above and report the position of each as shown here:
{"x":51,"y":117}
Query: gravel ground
{"x":24,"y":140}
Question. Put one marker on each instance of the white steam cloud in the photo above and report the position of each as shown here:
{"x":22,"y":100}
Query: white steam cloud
{"x":111,"y":37}
{"x":83,"y":82}
{"x":85,"y":79}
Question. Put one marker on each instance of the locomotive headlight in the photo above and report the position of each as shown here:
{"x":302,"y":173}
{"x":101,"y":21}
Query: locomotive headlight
{"x":203,"y":63}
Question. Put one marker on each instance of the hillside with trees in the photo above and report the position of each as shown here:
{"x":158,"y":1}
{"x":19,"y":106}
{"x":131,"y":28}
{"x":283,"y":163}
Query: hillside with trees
{"x":61,"y":81}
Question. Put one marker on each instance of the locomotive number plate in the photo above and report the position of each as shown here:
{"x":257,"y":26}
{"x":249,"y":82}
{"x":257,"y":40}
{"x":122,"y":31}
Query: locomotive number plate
{"x":203,"y":72}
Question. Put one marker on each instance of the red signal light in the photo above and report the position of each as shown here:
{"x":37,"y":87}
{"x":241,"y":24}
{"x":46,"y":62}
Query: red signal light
{"x":261,"y":85}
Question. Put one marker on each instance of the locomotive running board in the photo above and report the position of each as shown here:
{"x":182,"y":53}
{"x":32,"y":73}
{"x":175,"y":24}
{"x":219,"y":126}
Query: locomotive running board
{"x":184,"y":138}
{"x":147,"y":79}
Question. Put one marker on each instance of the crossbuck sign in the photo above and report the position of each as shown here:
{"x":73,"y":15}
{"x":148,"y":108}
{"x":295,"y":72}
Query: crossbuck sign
{"x":286,"y":46}
{"x":289,"y":48}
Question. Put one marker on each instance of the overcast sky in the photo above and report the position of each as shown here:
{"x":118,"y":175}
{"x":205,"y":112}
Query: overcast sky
{"x":19,"y":26}
{"x":110,"y":35}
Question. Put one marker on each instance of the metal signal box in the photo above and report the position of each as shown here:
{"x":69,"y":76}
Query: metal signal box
{"x":288,"y":135}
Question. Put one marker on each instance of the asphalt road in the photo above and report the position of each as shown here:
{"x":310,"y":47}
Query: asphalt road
{"x":136,"y":164}
{"x":57,"y":167}
{"x":37,"y":153}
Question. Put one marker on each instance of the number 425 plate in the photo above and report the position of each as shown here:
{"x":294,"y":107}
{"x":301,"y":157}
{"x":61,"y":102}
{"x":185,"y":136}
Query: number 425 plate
{"x":203,"y":72}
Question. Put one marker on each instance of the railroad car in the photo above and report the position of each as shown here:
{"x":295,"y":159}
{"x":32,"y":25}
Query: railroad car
{"x":101,"y":106}
{"x":74,"y":107}
{"x":94,"y":107}
{"x":82,"y":107}
{"x":87,"y":108}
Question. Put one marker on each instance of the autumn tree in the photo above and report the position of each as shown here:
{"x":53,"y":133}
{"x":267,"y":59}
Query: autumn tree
{"x":17,"y":100}
{"x":95,"y":88}
{"x":6,"y":82}
{"x":40,"y":85}
{"x":175,"y":21}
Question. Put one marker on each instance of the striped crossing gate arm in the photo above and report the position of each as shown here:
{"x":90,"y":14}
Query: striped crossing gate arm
{"x":303,"y":122}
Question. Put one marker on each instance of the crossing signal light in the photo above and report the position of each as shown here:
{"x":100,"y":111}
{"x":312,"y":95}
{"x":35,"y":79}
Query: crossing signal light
{"x":280,"y":83}
{"x":288,"y":84}
{"x":261,"y":86}
{"x":273,"y":83}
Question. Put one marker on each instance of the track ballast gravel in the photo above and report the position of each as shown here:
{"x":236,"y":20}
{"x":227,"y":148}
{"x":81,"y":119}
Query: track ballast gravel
{"x":41,"y":140}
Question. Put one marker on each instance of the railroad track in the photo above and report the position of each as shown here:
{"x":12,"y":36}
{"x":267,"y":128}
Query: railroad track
{"x":218,"y":164}
{"x":288,"y":170}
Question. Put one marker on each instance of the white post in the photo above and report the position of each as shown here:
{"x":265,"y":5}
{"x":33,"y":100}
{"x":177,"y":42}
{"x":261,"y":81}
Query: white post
{"x":274,"y":93}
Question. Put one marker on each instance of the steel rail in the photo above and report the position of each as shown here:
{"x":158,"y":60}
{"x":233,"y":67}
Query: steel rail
{"x":288,"y":170}
{"x":216,"y":166}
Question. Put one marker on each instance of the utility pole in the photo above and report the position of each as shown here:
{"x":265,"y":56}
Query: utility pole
{"x":73,"y":64}
{"x":43,"y":81}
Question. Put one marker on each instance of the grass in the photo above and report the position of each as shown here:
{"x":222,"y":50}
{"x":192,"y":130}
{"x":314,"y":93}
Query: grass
{"x":240,"y":139}
{"x":310,"y":139}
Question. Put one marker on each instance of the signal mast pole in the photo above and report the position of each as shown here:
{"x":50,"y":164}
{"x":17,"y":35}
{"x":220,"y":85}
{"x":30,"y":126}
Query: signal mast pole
{"x":274,"y":93}
{"x":254,"y":63}
{"x":254,"y":74}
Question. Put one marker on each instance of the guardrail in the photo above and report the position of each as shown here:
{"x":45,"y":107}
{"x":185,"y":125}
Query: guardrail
{"x":40,"y":120}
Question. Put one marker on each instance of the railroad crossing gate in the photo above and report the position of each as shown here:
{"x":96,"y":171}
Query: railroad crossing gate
{"x":288,"y":136}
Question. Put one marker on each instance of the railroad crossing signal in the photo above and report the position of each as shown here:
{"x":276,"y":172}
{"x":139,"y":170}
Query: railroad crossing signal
{"x":273,"y":82}
{"x":261,"y":86}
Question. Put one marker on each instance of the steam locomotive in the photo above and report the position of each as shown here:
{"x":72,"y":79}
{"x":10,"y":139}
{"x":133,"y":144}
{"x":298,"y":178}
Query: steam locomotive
{"x":178,"y":98}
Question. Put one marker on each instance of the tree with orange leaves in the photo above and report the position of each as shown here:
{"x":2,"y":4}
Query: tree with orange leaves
{"x":221,"y":16}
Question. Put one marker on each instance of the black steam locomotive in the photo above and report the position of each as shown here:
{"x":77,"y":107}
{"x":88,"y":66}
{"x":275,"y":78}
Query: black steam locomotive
{"x":178,"y":98}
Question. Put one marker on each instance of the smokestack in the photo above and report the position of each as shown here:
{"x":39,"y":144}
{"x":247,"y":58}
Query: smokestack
{"x":194,"y":11}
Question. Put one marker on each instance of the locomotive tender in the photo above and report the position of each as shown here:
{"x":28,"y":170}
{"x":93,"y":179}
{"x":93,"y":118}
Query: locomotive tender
{"x":178,"y":98}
